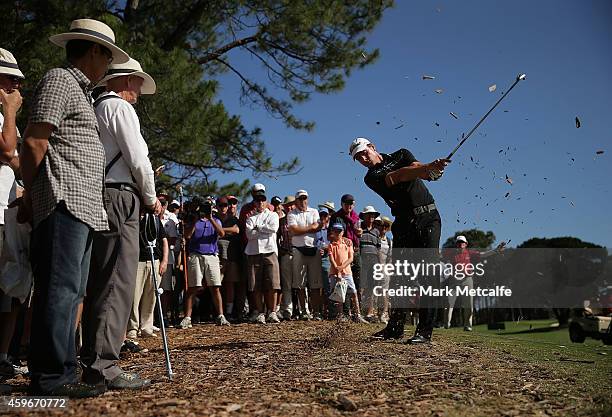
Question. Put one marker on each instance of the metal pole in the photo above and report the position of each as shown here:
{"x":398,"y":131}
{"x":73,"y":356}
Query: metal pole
{"x":520,"y":77}
{"x":158,"y":293}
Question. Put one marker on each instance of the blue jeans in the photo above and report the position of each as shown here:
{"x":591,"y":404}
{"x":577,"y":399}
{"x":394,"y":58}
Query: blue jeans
{"x":61,"y":249}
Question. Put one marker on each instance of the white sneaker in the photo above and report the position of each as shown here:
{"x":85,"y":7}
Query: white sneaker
{"x":156,"y":329}
{"x":132,"y":334}
{"x":261,"y":318}
{"x":222,"y":321}
{"x":384,"y":318}
{"x":273,"y":317}
{"x":186,"y":323}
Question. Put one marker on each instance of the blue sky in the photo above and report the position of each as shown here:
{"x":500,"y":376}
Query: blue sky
{"x":564,"y":47}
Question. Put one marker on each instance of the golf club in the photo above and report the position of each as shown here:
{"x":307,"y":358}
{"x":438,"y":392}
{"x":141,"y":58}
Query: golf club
{"x":520,"y":77}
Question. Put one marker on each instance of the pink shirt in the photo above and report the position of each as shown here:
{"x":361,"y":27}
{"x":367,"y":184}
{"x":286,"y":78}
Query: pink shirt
{"x":340,"y":251}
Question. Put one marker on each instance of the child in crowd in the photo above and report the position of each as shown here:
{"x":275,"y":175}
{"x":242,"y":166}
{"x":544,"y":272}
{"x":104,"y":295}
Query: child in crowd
{"x":340,"y":259}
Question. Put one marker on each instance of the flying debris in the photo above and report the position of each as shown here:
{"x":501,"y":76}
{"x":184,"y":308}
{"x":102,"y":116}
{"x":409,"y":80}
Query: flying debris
{"x":399,"y":127}
{"x":377,"y":123}
{"x":437,"y":124}
{"x":454,"y":115}
{"x":429,"y":77}
{"x":508,"y":179}
{"x":599,"y":152}
{"x":507,"y":195}
{"x":439,"y":91}
{"x":577,"y":122}
{"x":492,"y":88}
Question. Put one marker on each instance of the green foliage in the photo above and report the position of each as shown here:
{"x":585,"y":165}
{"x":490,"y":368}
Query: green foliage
{"x":476,"y":238}
{"x":305,"y":47}
{"x":557,"y":242}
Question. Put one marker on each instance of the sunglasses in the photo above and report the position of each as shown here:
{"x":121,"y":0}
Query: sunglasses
{"x":303,"y":197}
{"x":233,"y":202}
{"x":260,"y":198}
{"x":348,"y":203}
{"x":222,"y":205}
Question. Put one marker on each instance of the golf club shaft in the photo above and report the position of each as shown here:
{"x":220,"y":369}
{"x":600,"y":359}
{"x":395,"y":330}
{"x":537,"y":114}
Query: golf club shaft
{"x":450,"y":155}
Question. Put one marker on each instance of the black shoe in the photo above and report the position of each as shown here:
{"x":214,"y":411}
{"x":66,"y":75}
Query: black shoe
{"x":417,"y":339}
{"x":386,"y":334}
{"x":78,"y":390}
{"x":126,"y":380}
{"x":132,"y":347}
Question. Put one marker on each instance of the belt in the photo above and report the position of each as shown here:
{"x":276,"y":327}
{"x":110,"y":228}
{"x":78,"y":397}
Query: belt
{"x":121,"y":186}
{"x":424,"y":209}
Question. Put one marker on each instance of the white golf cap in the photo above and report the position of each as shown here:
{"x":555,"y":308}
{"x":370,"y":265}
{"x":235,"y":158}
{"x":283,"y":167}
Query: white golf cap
{"x":8,"y":64}
{"x":461,"y":238}
{"x":301,"y":193}
{"x":358,"y":145}
{"x":93,"y":31}
{"x":258,"y":187}
{"x":132,"y":67}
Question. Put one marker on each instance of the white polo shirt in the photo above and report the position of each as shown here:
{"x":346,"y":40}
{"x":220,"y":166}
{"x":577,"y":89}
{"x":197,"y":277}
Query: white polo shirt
{"x":120,"y":132}
{"x":261,"y":231}
{"x":300,"y":218}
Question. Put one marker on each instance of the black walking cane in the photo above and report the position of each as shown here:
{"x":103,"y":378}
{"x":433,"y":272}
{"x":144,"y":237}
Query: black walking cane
{"x":150,"y":236}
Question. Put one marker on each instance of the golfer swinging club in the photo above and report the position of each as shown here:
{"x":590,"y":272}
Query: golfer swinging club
{"x":398,"y":179}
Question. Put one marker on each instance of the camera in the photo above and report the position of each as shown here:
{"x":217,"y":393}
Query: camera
{"x":206,"y":208}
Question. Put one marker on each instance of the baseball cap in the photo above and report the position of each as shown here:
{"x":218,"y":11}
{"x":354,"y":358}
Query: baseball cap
{"x":358,"y":145}
{"x":347,"y":198}
{"x":461,"y":238}
{"x":276,"y":200}
{"x":222,"y":201}
{"x":323,"y":210}
{"x":258,"y":187}
{"x":301,"y":193}
{"x":338,"y":226}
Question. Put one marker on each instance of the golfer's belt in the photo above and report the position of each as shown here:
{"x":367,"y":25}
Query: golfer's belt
{"x":424,"y":209}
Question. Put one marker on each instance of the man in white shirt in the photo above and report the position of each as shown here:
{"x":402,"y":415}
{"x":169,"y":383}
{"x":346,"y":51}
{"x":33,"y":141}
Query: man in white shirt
{"x":114,"y":259}
{"x":262,"y":258}
{"x":304,"y":223}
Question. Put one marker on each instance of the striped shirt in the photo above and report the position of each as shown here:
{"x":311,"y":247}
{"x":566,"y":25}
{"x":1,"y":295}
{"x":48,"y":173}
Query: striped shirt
{"x":369,"y":242}
{"x":73,"y":167}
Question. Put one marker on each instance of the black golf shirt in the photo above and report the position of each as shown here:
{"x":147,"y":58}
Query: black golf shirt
{"x":402,"y":197}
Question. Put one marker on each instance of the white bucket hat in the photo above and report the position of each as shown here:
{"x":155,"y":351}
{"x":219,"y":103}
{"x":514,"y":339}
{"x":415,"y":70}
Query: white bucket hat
{"x":368,"y":210}
{"x":8,"y":64}
{"x":329,"y":205}
{"x":132,"y":67}
{"x":94,"y":31}
{"x":358,"y":145}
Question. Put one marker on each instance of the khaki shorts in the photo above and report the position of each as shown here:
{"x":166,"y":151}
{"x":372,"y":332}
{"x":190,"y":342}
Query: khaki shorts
{"x":307,"y":271}
{"x":230,"y":270}
{"x":263,"y":272}
{"x":204,"y":270}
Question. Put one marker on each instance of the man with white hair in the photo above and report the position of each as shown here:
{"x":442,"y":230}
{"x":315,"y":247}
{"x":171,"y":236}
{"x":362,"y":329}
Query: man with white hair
{"x":114,"y":260}
{"x":62,"y":165}
{"x":304,"y":223}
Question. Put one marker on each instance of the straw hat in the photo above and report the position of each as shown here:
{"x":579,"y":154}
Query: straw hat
{"x":329,"y":205}
{"x":94,"y":31}
{"x":132,"y":67}
{"x":8,"y":64}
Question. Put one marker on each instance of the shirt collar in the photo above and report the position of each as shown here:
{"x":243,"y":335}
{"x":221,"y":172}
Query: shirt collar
{"x":81,"y":78}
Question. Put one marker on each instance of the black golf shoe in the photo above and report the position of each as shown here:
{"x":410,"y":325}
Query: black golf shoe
{"x":417,"y":339}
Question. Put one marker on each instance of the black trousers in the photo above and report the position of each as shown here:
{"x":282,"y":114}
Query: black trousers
{"x":417,"y":232}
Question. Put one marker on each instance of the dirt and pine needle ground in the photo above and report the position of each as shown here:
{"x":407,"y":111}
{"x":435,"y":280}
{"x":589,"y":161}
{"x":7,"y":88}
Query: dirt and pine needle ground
{"x":332,"y":369}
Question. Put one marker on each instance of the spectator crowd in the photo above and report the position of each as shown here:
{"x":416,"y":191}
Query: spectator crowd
{"x":87,"y":239}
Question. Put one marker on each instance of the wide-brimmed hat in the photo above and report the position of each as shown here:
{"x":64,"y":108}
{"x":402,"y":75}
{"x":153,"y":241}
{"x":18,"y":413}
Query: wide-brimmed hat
{"x":94,"y":31}
{"x":368,"y":210}
{"x":132,"y":67}
{"x":383,"y":220}
{"x":288,"y":200}
{"x":329,"y":205}
{"x":8,"y":64}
